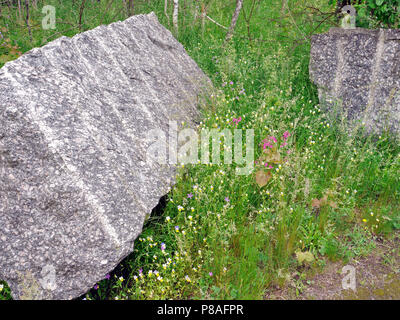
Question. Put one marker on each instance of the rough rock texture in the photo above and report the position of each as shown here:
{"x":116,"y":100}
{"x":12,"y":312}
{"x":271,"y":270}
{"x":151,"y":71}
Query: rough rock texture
{"x":359,"y":71}
{"x":75,"y":184}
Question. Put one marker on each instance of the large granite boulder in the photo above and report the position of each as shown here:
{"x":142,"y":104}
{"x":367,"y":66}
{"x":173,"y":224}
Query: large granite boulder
{"x":358,"y":71}
{"x":75,"y":184}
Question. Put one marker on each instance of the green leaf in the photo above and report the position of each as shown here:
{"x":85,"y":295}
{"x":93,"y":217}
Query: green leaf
{"x":263,"y":177}
{"x":304,"y":257}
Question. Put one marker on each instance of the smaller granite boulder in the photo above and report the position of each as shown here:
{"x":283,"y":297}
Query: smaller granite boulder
{"x":358,"y":70}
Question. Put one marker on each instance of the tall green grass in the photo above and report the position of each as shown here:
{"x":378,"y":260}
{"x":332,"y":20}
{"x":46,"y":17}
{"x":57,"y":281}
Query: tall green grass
{"x":221,"y":235}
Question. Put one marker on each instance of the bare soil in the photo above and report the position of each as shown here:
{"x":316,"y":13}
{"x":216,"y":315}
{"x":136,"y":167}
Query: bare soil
{"x":377,"y":278}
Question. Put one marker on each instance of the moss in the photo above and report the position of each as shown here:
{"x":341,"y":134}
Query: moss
{"x":389,"y":291}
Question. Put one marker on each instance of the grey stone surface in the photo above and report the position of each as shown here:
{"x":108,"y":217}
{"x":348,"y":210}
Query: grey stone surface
{"x":358,"y":70}
{"x":75,"y":183}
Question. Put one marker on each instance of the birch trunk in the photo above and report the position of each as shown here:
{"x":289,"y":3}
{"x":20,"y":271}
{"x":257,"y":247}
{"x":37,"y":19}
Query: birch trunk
{"x":284,"y":7}
{"x":19,"y":10}
{"x":203,"y":17}
{"x":166,"y":11}
{"x":229,"y":35}
{"x":175,"y":16}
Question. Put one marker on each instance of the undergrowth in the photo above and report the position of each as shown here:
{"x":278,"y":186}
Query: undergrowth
{"x":325,"y":192}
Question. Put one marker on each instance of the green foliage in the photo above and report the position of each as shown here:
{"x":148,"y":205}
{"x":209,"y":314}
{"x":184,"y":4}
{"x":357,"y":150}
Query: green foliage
{"x":220,"y":231}
{"x":379,"y":14}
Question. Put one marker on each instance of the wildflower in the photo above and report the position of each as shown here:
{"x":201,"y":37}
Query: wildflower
{"x":190,"y":195}
{"x":150,"y":273}
{"x":210,"y":274}
{"x":364,"y":220}
{"x":135,"y":277}
{"x":187,"y":278}
{"x":231,"y":83}
{"x":121,"y":279}
{"x":267,"y":144}
{"x":190,"y":217}
{"x":372,"y":214}
{"x":1,"y":287}
{"x":163,"y":246}
{"x":224,"y":269}
{"x":180,"y":208}
{"x":227,"y":199}
{"x":108,"y":276}
{"x":159,"y":278}
{"x":140,"y":271}
{"x":212,"y":188}
{"x":234,"y":120}
{"x":192,"y":209}
{"x":286,"y":134}
{"x":177,"y":228}
{"x":168,"y":218}
{"x":96,"y":286}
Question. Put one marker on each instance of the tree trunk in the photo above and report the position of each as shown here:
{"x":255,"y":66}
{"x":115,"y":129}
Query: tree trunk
{"x":229,"y":35}
{"x":284,"y":7}
{"x":81,"y":14}
{"x":175,"y":16}
{"x":203,"y":17}
{"x":166,"y":11}
{"x":27,"y":19}
{"x":130,"y":8}
{"x":19,"y":10}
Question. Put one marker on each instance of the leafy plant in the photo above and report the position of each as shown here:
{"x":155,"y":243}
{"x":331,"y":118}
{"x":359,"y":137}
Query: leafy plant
{"x":379,"y":14}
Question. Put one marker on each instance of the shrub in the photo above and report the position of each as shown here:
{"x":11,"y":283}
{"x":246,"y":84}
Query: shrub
{"x":375,"y":13}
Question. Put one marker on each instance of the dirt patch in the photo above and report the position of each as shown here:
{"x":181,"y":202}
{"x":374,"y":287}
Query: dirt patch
{"x":377,"y":277}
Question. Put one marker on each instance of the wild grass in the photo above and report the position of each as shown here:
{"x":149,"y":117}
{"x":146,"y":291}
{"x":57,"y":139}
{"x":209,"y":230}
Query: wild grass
{"x":221,"y":235}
